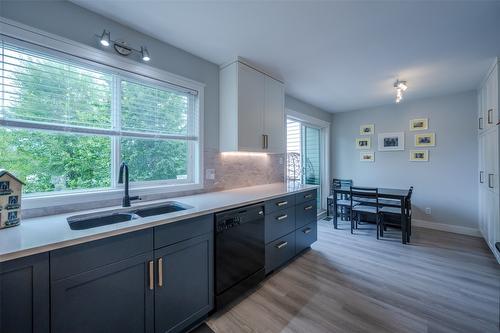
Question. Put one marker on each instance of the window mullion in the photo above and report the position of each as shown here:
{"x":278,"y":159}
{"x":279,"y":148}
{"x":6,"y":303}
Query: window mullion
{"x":115,"y":140}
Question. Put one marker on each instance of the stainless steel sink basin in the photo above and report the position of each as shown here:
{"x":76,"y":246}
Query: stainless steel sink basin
{"x":81,"y":222}
{"x":159,"y":209}
{"x":87,"y":222}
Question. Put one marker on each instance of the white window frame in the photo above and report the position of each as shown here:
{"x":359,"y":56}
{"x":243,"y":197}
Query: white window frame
{"x":125,"y":68}
{"x":324,"y":126}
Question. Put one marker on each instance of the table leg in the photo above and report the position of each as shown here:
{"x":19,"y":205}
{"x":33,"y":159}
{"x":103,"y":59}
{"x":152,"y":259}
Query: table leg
{"x":328,"y":205}
{"x":335,"y":209}
{"x":403,"y":221}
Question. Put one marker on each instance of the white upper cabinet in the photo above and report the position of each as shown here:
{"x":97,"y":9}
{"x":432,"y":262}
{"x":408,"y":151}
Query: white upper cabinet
{"x":252,"y":110}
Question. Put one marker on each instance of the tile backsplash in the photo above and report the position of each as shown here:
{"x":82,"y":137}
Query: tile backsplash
{"x":231,"y":171}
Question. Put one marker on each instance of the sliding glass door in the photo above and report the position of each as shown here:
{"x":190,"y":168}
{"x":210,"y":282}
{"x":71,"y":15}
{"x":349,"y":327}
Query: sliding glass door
{"x":304,"y":154}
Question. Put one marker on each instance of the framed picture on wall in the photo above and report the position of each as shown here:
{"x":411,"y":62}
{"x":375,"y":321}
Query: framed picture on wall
{"x":363,"y":143}
{"x":425,"y":140}
{"x":419,"y":155}
{"x":391,"y":141}
{"x":367,"y":156}
{"x":419,"y":124}
{"x":367,"y":129}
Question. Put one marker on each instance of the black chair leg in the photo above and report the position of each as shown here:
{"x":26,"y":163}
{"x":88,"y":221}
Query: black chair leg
{"x":352,"y":218}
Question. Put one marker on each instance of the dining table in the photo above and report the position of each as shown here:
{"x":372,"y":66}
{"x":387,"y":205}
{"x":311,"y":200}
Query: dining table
{"x":400,"y":195}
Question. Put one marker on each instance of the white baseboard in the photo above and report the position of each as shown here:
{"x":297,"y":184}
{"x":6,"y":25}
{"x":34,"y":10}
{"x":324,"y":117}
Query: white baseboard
{"x":446,"y":227}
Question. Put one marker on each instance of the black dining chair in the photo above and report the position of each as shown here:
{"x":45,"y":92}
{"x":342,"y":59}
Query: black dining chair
{"x":343,"y":202}
{"x":364,"y":201}
{"x":391,"y":216}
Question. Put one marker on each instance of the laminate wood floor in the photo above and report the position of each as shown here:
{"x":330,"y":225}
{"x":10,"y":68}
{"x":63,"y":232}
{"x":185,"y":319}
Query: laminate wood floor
{"x":442,"y":282}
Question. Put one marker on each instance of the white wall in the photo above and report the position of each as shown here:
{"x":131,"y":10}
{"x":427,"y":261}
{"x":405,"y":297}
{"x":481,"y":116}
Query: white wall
{"x":447,"y":183}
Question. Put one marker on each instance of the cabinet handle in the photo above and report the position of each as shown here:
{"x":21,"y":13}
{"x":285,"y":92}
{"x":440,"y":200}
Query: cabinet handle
{"x":490,"y":118}
{"x":306,"y":231}
{"x":490,"y":180}
{"x":308,"y":207}
{"x":151,"y":275}
{"x":282,"y":203}
{"x":308,"y":196}
{"x":282,"y":217}
{"x":281,"y":245}
{"x":160,"y":272}
{"x":267,"y":141}
{"x":481,"y":177}
{"x":480,"y":123}
{"x":263,"y":141}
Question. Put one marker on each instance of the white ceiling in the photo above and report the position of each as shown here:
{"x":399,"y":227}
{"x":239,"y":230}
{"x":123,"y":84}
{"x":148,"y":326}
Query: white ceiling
{"x":338,"y":56}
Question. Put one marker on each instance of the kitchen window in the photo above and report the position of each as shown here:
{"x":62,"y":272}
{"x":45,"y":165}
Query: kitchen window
{"x":67,"y":123}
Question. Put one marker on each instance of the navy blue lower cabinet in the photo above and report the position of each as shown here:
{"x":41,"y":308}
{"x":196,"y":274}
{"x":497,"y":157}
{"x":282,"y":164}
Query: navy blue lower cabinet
{"x":305,"y":236}
{"x":184,"y":283}
{"x":279,"y":252}
{"x":117,"y":297}
{"x":24,"y":295}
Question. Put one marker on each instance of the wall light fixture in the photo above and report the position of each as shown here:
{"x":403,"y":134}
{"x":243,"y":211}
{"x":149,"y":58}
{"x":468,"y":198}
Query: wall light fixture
{"x":121,"y":47}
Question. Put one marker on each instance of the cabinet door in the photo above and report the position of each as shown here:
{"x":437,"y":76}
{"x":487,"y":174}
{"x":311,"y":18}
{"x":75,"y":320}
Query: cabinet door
{"x":24,"y":295}
{"x":491,"y":160}
{"x":113,"y":298}
{"x":251,"y":100}
{"x":480,"y":112}
{"x":274,"y":116}
{"x":492,"y":99}
{"x":184,"y":283}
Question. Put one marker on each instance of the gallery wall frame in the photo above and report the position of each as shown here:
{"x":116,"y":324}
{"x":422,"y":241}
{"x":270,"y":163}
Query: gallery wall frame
{"x":420,"y":124}
{"x":425,"y":140}
{"x":391,"y":141}
{"x":363,"y":143}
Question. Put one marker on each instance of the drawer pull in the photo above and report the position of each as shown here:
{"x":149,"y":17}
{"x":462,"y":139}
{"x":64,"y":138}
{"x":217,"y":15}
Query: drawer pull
{"x":160,"y":272}
{"x":282,"y":217}
{"x":481,"y":177}
{"x":308,"y":196}
{"x":282,"y":203}
{"x":307,"y":230}
{"x":308,"y":207}
{"x":490,"y":180}
{"x":281,"y":245}
{"x":490,"y":116}
{"x":481,"y":123}
{"x":151,"y":275}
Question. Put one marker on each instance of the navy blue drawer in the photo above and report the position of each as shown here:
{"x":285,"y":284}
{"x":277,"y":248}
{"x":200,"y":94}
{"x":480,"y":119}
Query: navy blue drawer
{"x":279,"y":203}
{"x":279,"y":252}
{"x":280,"y":223}
{"x":175,"y":232}
{"x":305,"y":213}
{"x":76,"y":259}
{"x":305,"y":196}
{"x":305,"y":236}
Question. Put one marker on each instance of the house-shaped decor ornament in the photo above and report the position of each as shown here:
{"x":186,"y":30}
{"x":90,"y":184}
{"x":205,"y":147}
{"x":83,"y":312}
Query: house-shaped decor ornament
{"x":10,"y":199}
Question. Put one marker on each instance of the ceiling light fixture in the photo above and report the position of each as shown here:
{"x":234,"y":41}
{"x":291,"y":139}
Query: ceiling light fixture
{"x":121,"y":47}
{"x":105,"y":38}
{"x":145,"y":54}
{"x":400,"y":87}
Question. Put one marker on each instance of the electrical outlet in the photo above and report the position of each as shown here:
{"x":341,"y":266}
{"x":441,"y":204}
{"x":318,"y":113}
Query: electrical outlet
{"x":428,"y":211}
{"x":210,"y":174}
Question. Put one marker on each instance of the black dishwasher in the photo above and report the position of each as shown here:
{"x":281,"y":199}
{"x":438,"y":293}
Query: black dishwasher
{"x":239,"y":252}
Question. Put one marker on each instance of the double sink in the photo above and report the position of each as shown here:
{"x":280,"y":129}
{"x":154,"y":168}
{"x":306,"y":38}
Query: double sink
{"x":87,"y":221}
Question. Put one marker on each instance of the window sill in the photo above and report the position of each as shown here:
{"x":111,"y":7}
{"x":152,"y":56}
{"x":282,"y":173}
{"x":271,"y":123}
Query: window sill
{"x":68,"y":198}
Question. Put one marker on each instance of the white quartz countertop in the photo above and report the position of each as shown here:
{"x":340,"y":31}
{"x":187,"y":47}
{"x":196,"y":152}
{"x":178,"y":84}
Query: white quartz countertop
{"x":42,"y":234}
